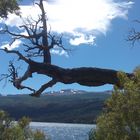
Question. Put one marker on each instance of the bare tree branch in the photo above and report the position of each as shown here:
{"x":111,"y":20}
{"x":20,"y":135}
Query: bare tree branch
{"x":30,"y":36}
{"x":43,"y":87}
{"x":12,"y":73}
{"x":88,"y":76}
{"x":5,"y":77}
{"x":17,"y":82}
{"x":133,"y":36}
{"x":18,"y":54}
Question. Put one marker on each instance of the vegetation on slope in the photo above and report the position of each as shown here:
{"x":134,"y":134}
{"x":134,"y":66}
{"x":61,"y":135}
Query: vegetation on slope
{"x":9,"y":130}
{"x":121,"y":119}
{"x":78,"y":108}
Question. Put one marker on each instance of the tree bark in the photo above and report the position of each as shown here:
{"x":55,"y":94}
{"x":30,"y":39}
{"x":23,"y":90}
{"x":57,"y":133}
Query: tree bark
{"x":88,"y":76}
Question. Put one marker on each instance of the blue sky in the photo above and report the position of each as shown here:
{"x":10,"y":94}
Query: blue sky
{"x":95,"y":43}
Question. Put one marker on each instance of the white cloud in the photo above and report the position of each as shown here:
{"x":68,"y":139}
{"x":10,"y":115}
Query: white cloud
{"x":14,"y":45}
{"x":82,"y":19}
{"x":82,"y":39}
{"x":85,"y":19}
{"x":59,"y":52}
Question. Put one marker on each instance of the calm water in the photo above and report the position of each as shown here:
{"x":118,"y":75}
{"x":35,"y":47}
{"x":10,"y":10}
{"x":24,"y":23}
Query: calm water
{"x":64,"y":131}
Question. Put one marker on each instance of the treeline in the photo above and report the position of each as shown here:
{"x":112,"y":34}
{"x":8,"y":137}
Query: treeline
{"x":78,"y":108}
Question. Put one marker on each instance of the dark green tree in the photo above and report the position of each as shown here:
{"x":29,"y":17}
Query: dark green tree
{"x":121,"y":117}
{"x":8,"y":6}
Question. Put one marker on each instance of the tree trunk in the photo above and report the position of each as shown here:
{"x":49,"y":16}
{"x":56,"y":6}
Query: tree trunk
{"x":88,"y":76}
{"x":47,"y":56}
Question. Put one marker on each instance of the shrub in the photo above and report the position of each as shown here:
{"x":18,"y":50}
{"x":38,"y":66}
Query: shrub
{"x":9,"y":130}
{"x":121,"y":117}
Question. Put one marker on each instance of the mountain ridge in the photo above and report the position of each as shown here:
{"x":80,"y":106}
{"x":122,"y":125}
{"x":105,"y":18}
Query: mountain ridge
{"x":83,"y":107}
{"x":65,"y":92}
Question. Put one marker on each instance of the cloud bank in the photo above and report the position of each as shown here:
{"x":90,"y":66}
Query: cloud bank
{"x":14,"y":45}
{"x":81,"y":20}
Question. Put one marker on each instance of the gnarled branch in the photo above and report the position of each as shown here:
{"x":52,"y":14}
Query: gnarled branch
{"x":18,"y":54}
{"x":43,"y":87}
{"x":133,"y":36}
{"x":88,"y":76}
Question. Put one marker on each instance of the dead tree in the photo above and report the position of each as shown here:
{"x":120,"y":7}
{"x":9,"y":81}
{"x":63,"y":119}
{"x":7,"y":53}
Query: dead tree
{"x":42,"y":41}
{"x":134,"y":34}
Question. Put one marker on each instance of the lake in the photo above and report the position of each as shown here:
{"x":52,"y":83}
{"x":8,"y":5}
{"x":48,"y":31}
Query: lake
{"x":64,"y":131}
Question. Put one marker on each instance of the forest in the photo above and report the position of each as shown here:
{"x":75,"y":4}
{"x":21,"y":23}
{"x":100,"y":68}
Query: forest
{"x":77,"y":108}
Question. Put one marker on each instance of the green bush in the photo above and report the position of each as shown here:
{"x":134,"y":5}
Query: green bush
{"x":9,"y":6}
{"x":9,"y":130}
{"x":121,"y":117}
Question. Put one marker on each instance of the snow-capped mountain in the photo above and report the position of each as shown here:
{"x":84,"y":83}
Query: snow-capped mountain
{"x":67,"y":92}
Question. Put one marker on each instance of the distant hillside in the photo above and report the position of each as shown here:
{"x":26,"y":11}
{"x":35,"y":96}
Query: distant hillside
{"x":67,"y":92}
{"x":71,"y":106}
